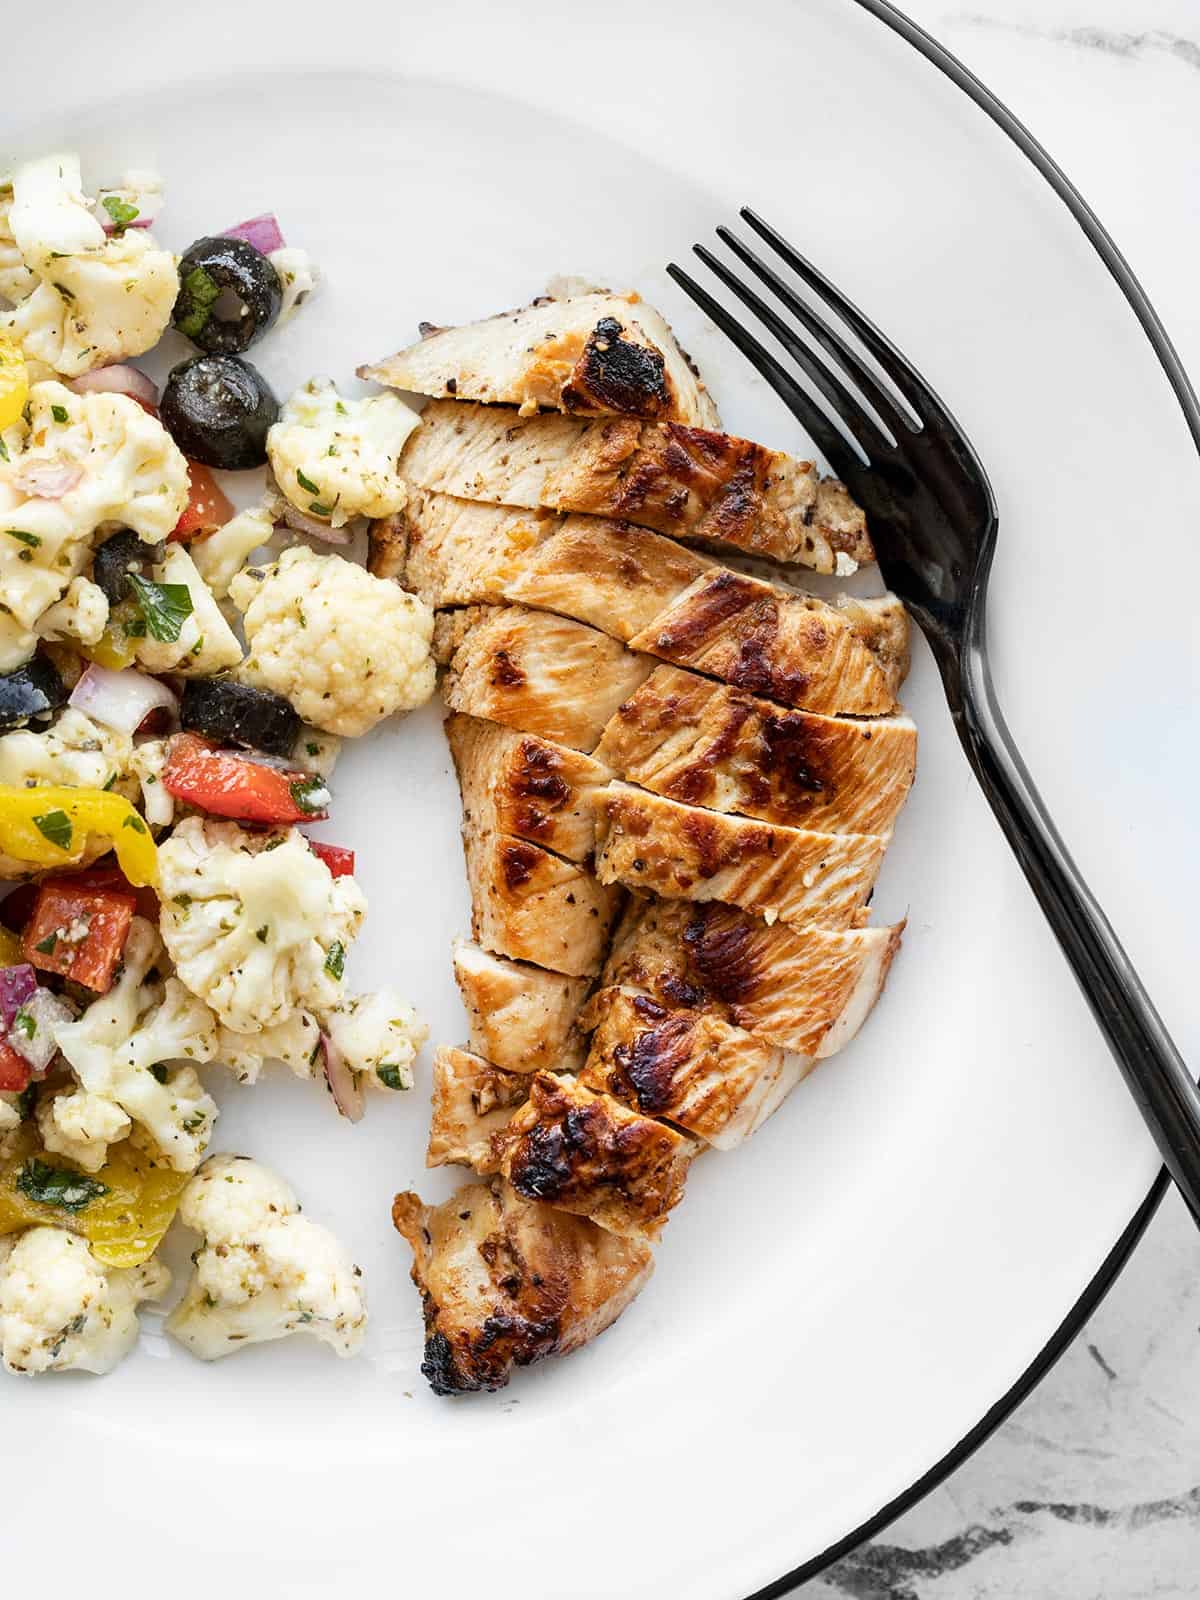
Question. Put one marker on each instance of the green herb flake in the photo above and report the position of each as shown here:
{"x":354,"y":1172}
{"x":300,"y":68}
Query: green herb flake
{"x":165,"y":607}
{"x":23,"y":537}
{"x":158,"y":1072}
{"x":313,"y":749}
{"x":388,"y":1074}
{"x":46,"y":946}
{"x":58,"y":1186}
{"x":198,"y":294}
{"x":310,"y":795}
{"x":341,"y":410}
{"x":55,"y":826}
{"x":60,"y":413}
{"x":135,"y":823}
{"x":67,"y":295}
{"x":26,"y":1101}
{"x":24,"y":1023}
{"x":3,"y":451}
{"x":307,"y":483}
{"x":319,"y":510}
{"x":121,"y":212}
{"x":335,"y":959}
{"x":262,"y":934}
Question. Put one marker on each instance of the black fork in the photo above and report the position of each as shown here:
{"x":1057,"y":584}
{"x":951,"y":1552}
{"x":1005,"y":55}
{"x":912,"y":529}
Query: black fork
{"x":933,"y":520}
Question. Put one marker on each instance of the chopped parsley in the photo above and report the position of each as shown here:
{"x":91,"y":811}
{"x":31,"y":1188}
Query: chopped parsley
{"x":57,"y":1186}
{"x":24,"y":1023}
{"x":31,"y":539}
{"x":198,"y":294}
{"x":313,"y":749}
{"x":158,"y":1072}
{"x":121,"y":212}
{"x":319,"y":510}
{"x":262,"y":934}
{"x":46,"y":946}
{"x":310,"y":795}
{"x":307,"y":483}
{"x":60,"y":413}
{"x":67,"y":295}
{"x":389,"y":1073}
{"x":135,"y":823}
{"x":335,"y":959}
{"x":55,"y":826}
{"x":165,"y":607}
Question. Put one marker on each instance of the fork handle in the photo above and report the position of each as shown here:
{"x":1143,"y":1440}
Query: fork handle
{"x":1158,"y":1079}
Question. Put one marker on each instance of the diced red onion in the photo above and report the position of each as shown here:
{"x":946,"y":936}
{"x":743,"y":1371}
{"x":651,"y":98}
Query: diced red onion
{"x":46,"y":1013}
{"x":110,"y":227}
{"x":121,"y":700}
{"x":117,"y":379}
{"x":261,"y":231}
{"x":47,"y":480}
{"x":343,"y":1086}
{"x":17,"y":984}
{"x":318,"y":530}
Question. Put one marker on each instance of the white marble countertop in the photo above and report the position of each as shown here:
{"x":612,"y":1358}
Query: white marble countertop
{"x":1091,"y":1490}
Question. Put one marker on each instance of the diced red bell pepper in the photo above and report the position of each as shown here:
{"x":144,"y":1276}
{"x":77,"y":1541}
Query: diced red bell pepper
{"x":78,"y":933}
{"x":15,"y":1071}
{"x":336,"y":857}
{"x":229,"y":786}
{"x":208,"y":507}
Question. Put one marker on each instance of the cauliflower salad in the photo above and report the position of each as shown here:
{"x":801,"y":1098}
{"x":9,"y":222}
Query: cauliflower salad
{"x":176,"y":678}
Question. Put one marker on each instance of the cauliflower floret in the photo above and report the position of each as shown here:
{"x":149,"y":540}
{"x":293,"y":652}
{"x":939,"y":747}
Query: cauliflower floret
{"x":222,"y":555}
{"x":377,"y":1034}
{"x":98,"y":300}
{"x":336,"y":458}
{"x":81,"y":614}
{"x":298,"y":276}
{"x":206,"y":643}
{"x":263,"y":1270}
{"x":255,"y":922}
{"x":62,"y":1311}
{"x":118,"y":1047}
{"x":81,"y":1126}
{"x":10,"y":1120}
{"x":75,"y":751}
{"x":121,"y":465}
{"x":294,"y":1043}
{"x":148,"y":762}
{"x":346,"y":648}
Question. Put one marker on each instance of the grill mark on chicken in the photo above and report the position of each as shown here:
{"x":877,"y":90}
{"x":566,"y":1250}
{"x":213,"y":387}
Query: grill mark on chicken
{"x":586,"y":1153}
{"x":692,"y":483}
{"x":685,"y":737}
{"x":594,"y":354}
{"x":505,"y":1282}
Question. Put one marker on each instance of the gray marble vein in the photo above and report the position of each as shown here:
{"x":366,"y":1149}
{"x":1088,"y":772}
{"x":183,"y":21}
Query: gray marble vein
{"x":1112,"y":41}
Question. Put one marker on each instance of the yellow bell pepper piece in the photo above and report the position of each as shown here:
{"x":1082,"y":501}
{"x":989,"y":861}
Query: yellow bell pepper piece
{"x":14,"y":383}
{"x":124,"y":1225}
{"x":114,"y":649}
{"x":49,"y":827}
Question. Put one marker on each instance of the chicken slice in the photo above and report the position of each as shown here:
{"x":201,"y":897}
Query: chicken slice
{"x":506,"y":1282}
{"x":594,"y":354}
{"x":803,"y":989}
{"x":690,"y":739}
{"x":452,"y":552}
{"x":850,"y":657}
{"x":535,"y":672}
{"x":472,"y":1101}
{"x":585,"y":1153}
{"x":680,"y":852}
{"x":519,"y":784}
{"x":522,"y":1018}
{"x":530,"y":905}
{"x":715,"y":1080}
{"x":689,"y":482}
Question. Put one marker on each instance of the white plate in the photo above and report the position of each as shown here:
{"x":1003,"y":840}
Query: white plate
{"x":839,"y":1303}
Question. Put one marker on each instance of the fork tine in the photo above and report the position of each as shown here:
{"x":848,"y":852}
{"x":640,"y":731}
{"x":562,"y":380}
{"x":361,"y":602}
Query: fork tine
{"x":844,"y":460}
{"x":921,"y":399}
{"x":846,"y":359}
{"x":860,"y":423}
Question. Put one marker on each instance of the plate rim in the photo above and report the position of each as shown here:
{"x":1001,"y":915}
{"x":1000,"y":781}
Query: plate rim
{"x":1114,"y":1262}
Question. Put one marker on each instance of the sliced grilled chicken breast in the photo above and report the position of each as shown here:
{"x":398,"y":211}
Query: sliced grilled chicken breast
{"x":689,"y":482}
{"x":453,"y":552}
{"x":680,"y":852}
{"x":803,"y":989}
{"x":505,"y":1282}
{"x":849,"y":658}
{"x":519,"y":784}
{"x":690,"y":739}
{"x":472,"y":1100}
{"x":536,"y":672}
{"x":530,"y":905}
{"x":592,"y":354}
{"x":585,"y":1153}
{"x":521,"y":1018}
{"x":715,"y":1080}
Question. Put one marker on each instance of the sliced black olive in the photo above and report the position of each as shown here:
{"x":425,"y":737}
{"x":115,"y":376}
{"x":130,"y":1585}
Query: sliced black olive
{"x":218,"y":272}
{"x":239,"y":714}
{"x":117,"y":558}
{"x":31,"y":691}
{"x":218,"y":410}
